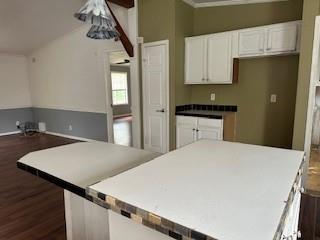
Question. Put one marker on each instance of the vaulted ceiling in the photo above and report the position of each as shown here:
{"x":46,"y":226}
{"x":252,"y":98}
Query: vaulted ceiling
{"x":28,"y":24}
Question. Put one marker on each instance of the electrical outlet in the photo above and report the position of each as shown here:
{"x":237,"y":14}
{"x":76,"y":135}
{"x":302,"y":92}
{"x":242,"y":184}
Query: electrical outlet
{"x":17,"y":123}
{"x":273,"y":98}
{"x":213,"y":97}
{"x":70,"y":128}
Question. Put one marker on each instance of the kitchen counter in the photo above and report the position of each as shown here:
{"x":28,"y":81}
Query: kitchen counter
{"x":203,"y":113}
{"x":77,"y":166}
{"x":208,"y":190}
{"x":208,"y":111}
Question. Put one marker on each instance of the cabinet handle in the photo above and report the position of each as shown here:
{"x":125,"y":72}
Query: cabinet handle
{"x":203,"y":79}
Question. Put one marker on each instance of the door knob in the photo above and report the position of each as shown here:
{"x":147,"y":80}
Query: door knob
{"x":161,"y":111}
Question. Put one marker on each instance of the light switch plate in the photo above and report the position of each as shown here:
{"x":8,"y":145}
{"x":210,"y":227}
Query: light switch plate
{"x":213,"y":97}
{"x":140,"y":40}
{"x":273,"y":98}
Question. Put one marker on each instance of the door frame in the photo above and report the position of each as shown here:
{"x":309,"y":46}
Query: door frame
{"x":136,"y":127}
{"x":133,"y":30}
{"x":167,"y":74}
{"x":314,"y":83}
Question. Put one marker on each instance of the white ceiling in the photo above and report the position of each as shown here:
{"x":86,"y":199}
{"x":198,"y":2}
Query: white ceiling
{"x":212,"y":3}
{"x":28,"y":24}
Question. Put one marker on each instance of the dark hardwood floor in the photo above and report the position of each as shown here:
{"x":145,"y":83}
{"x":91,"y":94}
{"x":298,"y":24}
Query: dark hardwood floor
{"x":30,"y":208}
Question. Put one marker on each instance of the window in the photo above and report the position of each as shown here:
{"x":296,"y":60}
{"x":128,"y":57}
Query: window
{"x":119,"y":88}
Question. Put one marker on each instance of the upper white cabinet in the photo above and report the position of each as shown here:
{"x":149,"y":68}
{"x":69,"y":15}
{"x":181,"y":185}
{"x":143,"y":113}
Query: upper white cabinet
{"x":269,"y":40}
{"x":219,"y":67}
{"x":282,"y":38}
{"x":196,"y":59}
{"x":251,"y":42}
{"x":209,"y":58}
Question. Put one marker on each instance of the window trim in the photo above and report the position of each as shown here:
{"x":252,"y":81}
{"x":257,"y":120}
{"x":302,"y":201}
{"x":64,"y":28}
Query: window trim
{"x":128,"y":98}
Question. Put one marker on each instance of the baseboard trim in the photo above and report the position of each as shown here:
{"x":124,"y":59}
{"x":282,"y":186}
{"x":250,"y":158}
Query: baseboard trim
{"x":71,"y":137}
{"x":9,"y":133}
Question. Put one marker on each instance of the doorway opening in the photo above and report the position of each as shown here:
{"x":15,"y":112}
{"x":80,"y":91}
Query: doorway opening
{"x":121,"y":98}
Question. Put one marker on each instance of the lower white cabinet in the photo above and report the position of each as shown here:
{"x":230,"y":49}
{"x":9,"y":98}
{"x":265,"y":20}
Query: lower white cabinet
{"x":191,"y":129}
{"x":291,"y":229}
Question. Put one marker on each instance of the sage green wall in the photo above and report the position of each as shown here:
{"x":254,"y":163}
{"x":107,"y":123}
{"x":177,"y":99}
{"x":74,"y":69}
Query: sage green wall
{"x":183,"y":28}
{"x":310,"y":11}
{"x":258,"y":121}
{"x":218,"y":19}
{"x":156,"y":23}
{"x":169,"y":19}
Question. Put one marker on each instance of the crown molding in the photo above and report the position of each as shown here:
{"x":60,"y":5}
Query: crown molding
{"x":227,"y":2}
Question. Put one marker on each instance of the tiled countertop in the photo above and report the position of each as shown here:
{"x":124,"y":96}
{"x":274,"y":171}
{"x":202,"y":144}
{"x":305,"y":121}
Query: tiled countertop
{"x":77,"y":166}
{"x":207,"y":111}
{"x":238,"y":194}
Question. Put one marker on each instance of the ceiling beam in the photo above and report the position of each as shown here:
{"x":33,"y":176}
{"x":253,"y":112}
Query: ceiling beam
{"x":123,"y":3}
{"x":123,"y":36}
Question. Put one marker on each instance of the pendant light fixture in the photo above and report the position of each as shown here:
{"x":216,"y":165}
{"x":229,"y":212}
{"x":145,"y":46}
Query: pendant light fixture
{"x":97,"y":13}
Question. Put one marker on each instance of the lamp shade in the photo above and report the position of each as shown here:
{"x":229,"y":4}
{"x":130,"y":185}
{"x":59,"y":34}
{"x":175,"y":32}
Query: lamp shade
{"x":96,"y":12}
{"x":101,"y":32}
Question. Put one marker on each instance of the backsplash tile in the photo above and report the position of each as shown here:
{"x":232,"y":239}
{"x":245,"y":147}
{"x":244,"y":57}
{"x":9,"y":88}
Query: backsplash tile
{"x":203,"y":107}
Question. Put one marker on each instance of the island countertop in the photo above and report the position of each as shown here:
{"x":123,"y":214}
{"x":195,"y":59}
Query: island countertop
{"x":208,"y":190}
{"x":77,"y":166}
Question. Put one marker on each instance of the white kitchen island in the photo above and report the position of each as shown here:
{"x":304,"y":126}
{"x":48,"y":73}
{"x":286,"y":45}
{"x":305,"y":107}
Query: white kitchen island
{"x":206,"y":190}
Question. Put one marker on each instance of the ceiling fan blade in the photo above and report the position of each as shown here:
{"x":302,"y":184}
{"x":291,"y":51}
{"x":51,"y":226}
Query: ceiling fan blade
{"x":123,"y":37}
{"x":123,"y":3}
{"x":124,"y":62}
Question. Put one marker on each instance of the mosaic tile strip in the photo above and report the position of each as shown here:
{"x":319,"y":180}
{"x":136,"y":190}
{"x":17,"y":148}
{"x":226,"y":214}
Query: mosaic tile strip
{"x":203,"y":107}
{"x":57,"y":181}
{"x":148,"y":219}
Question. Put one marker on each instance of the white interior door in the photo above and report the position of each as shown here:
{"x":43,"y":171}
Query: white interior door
{"x":155,"y":69}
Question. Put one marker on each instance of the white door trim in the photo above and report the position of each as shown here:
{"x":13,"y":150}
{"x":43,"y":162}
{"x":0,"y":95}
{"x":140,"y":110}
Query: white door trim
{"x":314,"y":82}
{"x":109,"y":110}
{"x":143,"y":47}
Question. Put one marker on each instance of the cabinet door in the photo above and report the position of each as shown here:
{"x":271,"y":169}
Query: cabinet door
{"x":220,"y":58}
{"x":282,"y":38}
{"x":186,"y":130}
{"x":210,"y":129}
{"x":195,"y":60}
{"x":251,"y":42}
